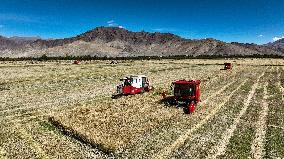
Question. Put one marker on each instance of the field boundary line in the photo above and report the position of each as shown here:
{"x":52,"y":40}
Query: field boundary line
{"x":221,"y":147}
{"x":164,"y":153}
{"x":257,"y":147}
{"x":31,"y":142}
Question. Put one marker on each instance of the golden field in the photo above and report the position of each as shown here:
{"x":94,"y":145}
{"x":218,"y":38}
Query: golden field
{"x":58,"y":110}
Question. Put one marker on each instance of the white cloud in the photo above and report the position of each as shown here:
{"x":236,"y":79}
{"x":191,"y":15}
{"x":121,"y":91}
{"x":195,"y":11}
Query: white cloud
{"x":164,"y":29}
{"x":277,"y":38}
{"x":112,"y":23}
{"x":260,"y":35}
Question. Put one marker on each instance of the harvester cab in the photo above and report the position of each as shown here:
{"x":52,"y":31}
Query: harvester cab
{"x":185,"y":94}
{"x":134,"y":84}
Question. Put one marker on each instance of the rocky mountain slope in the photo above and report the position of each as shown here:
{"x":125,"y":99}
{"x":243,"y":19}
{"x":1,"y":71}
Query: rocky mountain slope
{"x":112,"y":41}
{"x":277,"y":45}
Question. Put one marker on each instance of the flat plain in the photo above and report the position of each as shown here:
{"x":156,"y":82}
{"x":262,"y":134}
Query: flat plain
{"x":56,"y":109}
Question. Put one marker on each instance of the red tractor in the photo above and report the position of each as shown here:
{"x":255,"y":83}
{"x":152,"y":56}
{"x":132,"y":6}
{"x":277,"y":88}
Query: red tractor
{"x":186,"y":94}
{"x":134,"y":84}
{"x":227,"y":66}
{"x":77,"y":62}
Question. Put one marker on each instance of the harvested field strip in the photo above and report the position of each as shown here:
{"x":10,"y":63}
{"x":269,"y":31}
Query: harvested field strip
{"x":200,"y":142}
{"x":46,"y":142}
{"x":149,"y":144}
{"x":275,"y":135}
{"x":181,"y":140}
{"x":241,"y":142}
{"x":42,"y":131}
{"x":257,"y":148}
{"x":220,"y":149}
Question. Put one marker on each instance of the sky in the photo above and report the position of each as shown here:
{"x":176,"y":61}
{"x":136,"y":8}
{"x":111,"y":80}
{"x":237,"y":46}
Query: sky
{"x":247,"y":21}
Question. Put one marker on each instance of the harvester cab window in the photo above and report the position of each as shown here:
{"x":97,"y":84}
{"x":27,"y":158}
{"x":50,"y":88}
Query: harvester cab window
{"x":127,"y":82}
{"x":183,"y":90}
{"x":143,"y":81}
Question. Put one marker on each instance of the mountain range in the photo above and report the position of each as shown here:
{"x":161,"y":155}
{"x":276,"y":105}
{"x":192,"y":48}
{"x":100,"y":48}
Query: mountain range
{"x":119,"y":42}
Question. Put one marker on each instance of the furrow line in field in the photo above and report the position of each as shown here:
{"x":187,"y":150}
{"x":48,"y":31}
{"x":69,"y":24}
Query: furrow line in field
{"x":257,"y":147}
{"x":220,"y":148}
{"x":164,"y":153}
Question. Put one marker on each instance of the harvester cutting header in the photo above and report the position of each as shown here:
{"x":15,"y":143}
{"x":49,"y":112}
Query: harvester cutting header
{"x":134,"y":84}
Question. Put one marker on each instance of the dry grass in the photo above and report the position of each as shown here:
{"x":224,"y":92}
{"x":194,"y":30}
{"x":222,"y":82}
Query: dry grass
{"x":78,"y":98}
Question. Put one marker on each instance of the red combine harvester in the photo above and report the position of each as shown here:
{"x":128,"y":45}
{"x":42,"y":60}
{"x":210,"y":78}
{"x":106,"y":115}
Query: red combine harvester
{"x":134,"y":84}
{"x":77,"y":62}
{"x":186,"y":94}
{"x":227,"y":66}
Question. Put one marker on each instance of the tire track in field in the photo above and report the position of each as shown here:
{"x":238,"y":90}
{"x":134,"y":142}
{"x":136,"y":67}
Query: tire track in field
{"x":220,"y":148}
{"x":257,"y":147}
{"x":164,"y":153}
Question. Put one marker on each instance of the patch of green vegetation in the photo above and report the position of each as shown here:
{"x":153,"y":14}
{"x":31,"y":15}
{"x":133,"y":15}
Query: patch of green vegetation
{"x":215,"y":128}
{"x":240,"y":142}
{"x":47,"y":126}
{"x":275,"y":132}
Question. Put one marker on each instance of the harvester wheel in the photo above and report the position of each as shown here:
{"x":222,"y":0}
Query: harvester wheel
{"x":189,"y":108}
{"x":116,"y":96}
{"x":185,"y":110}
{"x":167,"y":103}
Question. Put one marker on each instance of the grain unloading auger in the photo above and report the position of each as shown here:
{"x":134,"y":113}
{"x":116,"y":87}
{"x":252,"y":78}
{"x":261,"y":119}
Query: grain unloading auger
{"x":186,"y":94}
{"x":134,"y":84}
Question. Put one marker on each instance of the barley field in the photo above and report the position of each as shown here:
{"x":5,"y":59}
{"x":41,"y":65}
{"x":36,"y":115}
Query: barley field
{"x":56,"y":109}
